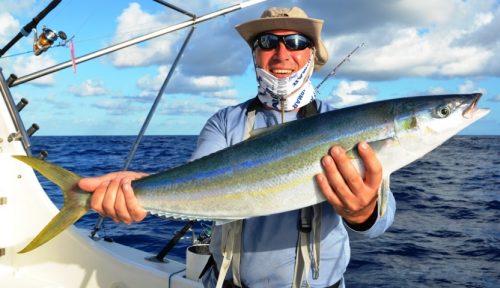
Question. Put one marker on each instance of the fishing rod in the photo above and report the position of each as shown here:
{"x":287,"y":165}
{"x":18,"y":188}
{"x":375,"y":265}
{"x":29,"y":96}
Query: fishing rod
{"x":334,"y":71}
{"x":16,"y":81}
{"x":26,"y":30}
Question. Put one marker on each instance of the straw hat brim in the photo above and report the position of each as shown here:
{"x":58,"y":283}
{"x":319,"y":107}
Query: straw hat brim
{"x":307,"y":26}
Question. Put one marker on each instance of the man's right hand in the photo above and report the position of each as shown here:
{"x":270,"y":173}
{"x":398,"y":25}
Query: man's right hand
{"x":114,"y":197}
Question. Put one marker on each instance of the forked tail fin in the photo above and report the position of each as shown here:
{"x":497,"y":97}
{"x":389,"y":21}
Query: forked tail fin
{"x":76,"y":201}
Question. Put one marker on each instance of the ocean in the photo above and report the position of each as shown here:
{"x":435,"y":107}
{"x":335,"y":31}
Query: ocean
{"x":446,"y":232}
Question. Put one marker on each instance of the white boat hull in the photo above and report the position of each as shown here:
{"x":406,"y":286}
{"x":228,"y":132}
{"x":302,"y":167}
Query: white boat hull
{"x":72,"y":259}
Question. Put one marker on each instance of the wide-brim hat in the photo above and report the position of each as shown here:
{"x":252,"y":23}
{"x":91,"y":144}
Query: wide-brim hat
{"x":295,"y":19}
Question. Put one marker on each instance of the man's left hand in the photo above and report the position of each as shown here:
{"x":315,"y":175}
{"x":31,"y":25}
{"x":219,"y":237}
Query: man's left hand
{"x":354,"y":197}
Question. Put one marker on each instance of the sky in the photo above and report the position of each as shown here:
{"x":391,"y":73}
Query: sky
{"x":411,"y":48}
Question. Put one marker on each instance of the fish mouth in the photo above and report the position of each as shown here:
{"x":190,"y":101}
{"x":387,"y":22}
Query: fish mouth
{"x":472,"y":111}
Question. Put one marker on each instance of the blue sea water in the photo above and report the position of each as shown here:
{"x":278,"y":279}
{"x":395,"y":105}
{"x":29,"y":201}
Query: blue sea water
{"x":446,"y":232}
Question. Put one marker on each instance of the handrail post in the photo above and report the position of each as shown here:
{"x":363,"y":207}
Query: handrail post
{"x":145,"y":125}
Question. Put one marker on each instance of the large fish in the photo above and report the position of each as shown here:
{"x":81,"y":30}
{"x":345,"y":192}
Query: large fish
{"x":274,"y":170}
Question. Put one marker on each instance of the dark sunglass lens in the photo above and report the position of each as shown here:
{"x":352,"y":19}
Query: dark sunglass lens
{"x":297,"y":42}
{"x":268,"y":41}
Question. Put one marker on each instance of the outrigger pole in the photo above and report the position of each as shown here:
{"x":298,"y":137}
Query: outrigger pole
{"x":149,"y":36}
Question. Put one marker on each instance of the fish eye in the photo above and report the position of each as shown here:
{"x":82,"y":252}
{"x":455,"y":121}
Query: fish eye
{"x":443,"y":111}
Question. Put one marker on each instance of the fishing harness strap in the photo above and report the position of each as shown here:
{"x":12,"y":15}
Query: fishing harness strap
{"x":308,"y":244}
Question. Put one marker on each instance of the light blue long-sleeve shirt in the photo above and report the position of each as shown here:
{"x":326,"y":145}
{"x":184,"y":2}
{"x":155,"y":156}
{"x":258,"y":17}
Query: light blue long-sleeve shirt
{"x":269,"y":242}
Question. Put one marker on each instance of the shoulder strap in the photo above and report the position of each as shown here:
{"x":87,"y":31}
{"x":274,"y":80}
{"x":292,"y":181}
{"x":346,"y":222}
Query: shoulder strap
{"x":231,"y":232}
{"x":255,"y":105}
{"x":308,"y":247}
{"x":230,"y":248}
{"x":307,"y":252}
{"x":309,"y":110}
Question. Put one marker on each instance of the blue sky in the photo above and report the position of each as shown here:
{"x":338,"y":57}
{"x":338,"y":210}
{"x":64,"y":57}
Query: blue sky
{"x":411,"y":48}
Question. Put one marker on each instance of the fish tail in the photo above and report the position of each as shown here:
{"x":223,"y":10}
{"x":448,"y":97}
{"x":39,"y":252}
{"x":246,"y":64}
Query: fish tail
{"x":76,"y":201}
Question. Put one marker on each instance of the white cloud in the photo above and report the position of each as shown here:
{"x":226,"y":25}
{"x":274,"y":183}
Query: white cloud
{"x":483,"y":19}
{"x":416,"y":39}
{"x":187,"y":107}
{"x":495,"y":98}
{"x":194,"y":107}
{"x":154,"y":82}
{"x":466,"y":87}
{"x":225,"y":94}
{"x":351,"y":93}
{"x":204,"y":85}
{"x":208,"y":85}
{"x":409,"y":53}
{"x":57,"y":102}
{"x":221,"y":103}
{"x":228,"y":54}
{"x":470,"y":87}
{"x":110,"y":104}
{"x":134,"y":22}
{"x":117,"y":106}
{"x":89,"y":88}
{"x":437,"y":91}
{"x":210,"y":82}
{"x":423,"y":11}
{"x":23,"y":65}
{"x":17,"y":5}
{"x":9,"y":27}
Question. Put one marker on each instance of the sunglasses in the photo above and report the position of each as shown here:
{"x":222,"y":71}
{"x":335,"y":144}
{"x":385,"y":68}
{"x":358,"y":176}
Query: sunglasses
{"x":293,"y":42}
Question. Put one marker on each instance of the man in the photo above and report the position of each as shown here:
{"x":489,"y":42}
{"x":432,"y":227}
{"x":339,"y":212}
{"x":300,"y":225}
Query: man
{"x":286,"y":48}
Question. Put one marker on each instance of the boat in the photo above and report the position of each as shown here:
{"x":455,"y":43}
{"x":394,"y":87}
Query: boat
{"x":76,"y":258}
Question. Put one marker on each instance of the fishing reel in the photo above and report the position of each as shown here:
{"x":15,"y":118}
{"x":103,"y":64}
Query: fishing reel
{"x":46,"y":39}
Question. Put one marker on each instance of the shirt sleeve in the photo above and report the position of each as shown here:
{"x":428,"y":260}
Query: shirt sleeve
{"x":212,"y":137}
{"x":381,"y":224}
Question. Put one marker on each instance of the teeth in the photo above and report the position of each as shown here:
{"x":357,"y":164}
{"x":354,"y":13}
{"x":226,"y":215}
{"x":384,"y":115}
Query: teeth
{"x":282,"y":71}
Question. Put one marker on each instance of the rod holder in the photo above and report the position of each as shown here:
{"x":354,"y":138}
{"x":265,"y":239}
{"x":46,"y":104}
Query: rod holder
{"x":14,"y":136}
{"x":42,"y":155}
{"x":32,"y":130}
{"x":11,"y":79}
{"x":21,"y":104}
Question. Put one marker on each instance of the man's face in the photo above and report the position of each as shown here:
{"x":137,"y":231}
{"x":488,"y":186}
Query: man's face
{"x":280,"y":61}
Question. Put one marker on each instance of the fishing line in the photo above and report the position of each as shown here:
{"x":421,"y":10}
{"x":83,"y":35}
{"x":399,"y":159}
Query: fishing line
{"x":17,"y":54}
{"x":31,"y":51}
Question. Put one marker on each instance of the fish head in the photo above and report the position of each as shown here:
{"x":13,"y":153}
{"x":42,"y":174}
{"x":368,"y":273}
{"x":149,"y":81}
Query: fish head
{"x":423,"y":123}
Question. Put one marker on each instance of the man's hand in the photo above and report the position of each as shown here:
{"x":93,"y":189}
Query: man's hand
{"x":353,"y":197}
{"x":114,"y":197}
